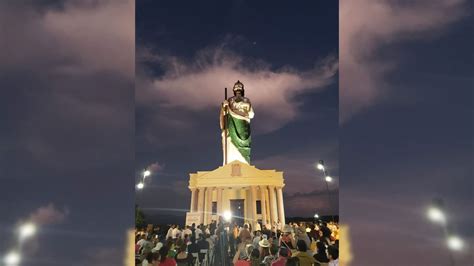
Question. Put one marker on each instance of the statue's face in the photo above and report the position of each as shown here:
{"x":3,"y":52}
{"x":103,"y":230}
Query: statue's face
{"x":238,"y":93}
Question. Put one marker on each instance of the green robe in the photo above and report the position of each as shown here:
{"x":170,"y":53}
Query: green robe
{"x":239,"y":132}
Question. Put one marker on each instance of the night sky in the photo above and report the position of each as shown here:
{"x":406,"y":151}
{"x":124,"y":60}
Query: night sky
{"x":381,"y":90}
{"x":286,"y":56}
{"x":66,"y":129}
{"x":406,"y":136}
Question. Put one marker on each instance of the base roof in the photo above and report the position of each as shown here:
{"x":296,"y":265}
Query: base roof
{"x":236,"y":174}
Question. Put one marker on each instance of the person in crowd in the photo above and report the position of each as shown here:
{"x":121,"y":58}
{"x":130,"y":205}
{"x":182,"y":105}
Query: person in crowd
{"x":255,"y":257}
{"x":333,"y":256}
{"x":198,"y":231}
{"x":221,"y":250}
{"x":302,"y":235}
{"x":169,"y":234}
{"x":245,"y":234}
{"x":183,"y":258}
{"x":157,"y":247}
{"x":146,"y":247}
{"x":176,"y":233}
{"x":256,"y":239}
{"x":148,"y":260}
{"x":293,"y":261}
{"x":212,"y":227}
{"x":203,"y":244}
{"x":242,"y":255}
{"x":320,"y":256}
{"x":156,"y":259}
{"x":165,"y":260}
{"x":286,"y":239}
{"x":258,"y":227}
{"x":302,"y":254}
{"x":141,"y":240}
{"x":282,"y":257}
{"x":266,"y":256}
{"x":193,"y":247}
{"x":187,"y":231}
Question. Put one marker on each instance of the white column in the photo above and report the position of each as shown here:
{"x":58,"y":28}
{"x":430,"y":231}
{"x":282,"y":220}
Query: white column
{"x":248,"y":206}
{"x":219,"y":200}
{"x":263,"y":205}
{"x":200,"y":207}
{"x":273,"y":204}
{"x":267,"y":205}
{"x":209,"y":205}
{"x":253,"y":192}
{"x":281,"y":208}
{"x":193,"y":201}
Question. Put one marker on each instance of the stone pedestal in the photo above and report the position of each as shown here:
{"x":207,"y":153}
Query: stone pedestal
{"x":237,"y":185}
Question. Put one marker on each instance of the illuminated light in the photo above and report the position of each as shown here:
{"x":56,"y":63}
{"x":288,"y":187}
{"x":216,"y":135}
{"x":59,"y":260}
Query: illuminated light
{"x":455,"y":243}
{"x":436,"y":215}
{"x":140,"y":185}
{"x":316,"y":216}
{"x":227,"y":215}
{"x":320,"y":166}
{"x":27,"y":230}
{"x":12,"y":259}
{"x":146,"y":173}
{"x":328,"y":179}
{"x":308,"y":230}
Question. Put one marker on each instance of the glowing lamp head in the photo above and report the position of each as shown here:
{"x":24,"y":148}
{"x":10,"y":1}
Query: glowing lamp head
{"x":436,"y":215}
{"x":140,"y":185}
{"x":320,"y":165}
{"x":27,"y":230}
{"x":12,"y":259}
{"x":316,"y":216}
{"x":227,"y":215}
{"x":146,"y":173}
{"x":455,"y":243}
{"x":328,"y":179}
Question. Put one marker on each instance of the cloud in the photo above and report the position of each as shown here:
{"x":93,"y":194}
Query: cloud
{"x":70,"y":65}
{"x":49,"y":214}
{"x":366,"y":27}
{"x":80,"y":36}
{"x":156,"y":167}
{"x":196,"y":85}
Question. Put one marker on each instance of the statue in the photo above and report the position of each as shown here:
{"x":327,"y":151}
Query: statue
{"x":235,"y":116}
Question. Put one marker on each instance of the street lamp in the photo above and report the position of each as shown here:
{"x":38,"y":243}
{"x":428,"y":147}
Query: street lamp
{"x":27,"y":230}
{"x":327,"y":178}
{"x":320,"y":165}
{"x":141,"y":185}
{"x":146,"y":173}
{"x":436,"y":215}
{"x":12,"y":258}
{"x":316,"y":216}
{"x":455,"y":243}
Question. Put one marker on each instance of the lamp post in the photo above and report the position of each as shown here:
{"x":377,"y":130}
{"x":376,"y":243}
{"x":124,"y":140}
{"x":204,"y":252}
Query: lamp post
{"x":437,"y":215}
{"x":327,"y":179}
{"x":12,"y":259}
{"x":145,"y":174}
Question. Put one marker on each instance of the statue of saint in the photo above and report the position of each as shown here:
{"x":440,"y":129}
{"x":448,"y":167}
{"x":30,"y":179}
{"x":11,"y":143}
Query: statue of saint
{"x":235,"y":116}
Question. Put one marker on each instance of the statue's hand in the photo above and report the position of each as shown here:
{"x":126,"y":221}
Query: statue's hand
{"x":225,"y":104}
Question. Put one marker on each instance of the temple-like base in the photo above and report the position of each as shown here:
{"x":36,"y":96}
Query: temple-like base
{"x":248,"y":193}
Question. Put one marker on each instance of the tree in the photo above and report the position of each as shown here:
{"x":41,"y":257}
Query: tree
{"x":139,"y":217}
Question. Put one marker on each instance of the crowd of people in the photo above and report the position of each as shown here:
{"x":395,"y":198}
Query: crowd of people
{"x":222,"y":244}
